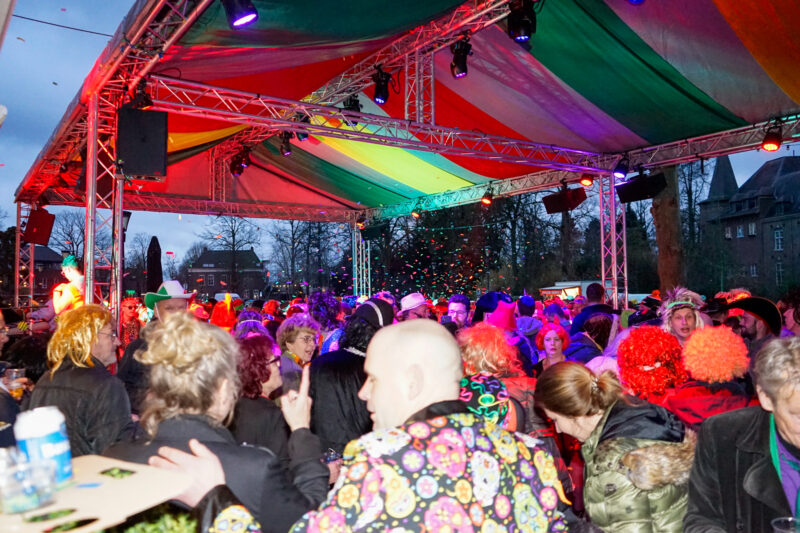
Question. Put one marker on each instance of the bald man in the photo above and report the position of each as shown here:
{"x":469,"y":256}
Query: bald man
{"x":430,"y":464}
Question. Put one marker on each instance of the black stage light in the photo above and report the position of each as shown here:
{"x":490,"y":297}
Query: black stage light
{"x":286,"y":146}
{"x":772,"y":139}
{"x":381,"y":80}
{"x":302,"y":135}
{"x":352,"y":104}
{"x":621,"y":170}
{"x":521,"y":22}
{"x":240,"y":13}
{"x":461,"y":49}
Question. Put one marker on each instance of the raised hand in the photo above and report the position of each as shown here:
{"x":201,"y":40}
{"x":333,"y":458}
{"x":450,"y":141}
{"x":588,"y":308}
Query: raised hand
{"x":296,"y":405}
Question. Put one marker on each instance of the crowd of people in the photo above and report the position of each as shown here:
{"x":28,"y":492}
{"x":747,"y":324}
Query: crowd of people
{"x":412,"y":414}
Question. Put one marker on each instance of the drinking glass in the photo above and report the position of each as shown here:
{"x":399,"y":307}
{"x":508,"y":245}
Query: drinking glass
{"x":786,"y":524}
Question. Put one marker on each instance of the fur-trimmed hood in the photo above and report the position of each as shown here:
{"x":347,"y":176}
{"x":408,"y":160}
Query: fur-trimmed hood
{"x":660,"y":464}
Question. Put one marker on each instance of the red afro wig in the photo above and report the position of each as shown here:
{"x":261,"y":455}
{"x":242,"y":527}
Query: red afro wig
{"x":484,"y":348}
{"x":547,"y":328}
{"x":715,"y":355}
{"x":650,"y":361}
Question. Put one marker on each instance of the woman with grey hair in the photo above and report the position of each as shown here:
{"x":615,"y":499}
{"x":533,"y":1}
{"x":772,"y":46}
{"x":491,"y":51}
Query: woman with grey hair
{"x":193,"y":388}
{"x":298,"y":337}
{"x":747,"y":466}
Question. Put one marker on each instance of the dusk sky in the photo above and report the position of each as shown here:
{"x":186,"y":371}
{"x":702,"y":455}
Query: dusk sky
{"x":42,"y":69}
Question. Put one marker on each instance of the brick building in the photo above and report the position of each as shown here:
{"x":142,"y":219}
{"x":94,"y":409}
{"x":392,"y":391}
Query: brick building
{"x":757,"y":225}
{"x":217,"y":271}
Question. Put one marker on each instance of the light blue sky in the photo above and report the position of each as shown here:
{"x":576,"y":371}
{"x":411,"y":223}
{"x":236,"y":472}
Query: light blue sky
{"x":41,"y":70}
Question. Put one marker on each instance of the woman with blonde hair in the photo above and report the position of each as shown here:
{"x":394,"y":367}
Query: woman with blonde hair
{"x":94,"y":403}
{"x":638,"y":455}
{"x":194,"y":385}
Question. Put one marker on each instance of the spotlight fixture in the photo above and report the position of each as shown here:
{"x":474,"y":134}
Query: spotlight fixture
{"x":772,"y":139}
{"x":521,"y":21}
{"x":286,"y":146}
{"x":361,"y":222}
{"x":352,"y":104}
{"x":461,"y":49}
{"x":240,"y":13}
{"x":415,"y":212}
{"x":302,"y":135}
{"x":381,"y":80}
{"x":487,"y":198}
{"x":236,"y":167}
{"x":587,"y":180}
{"x":141,"y":100}
{"x":621,"y":170}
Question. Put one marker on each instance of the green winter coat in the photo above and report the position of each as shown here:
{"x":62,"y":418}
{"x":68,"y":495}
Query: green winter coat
{"x":638,"y":460}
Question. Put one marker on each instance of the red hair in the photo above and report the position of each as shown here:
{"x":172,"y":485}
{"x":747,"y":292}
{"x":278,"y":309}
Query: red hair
{"x":650,"y":361}
{"x":547,"y":328}
{"x":484,"y":348}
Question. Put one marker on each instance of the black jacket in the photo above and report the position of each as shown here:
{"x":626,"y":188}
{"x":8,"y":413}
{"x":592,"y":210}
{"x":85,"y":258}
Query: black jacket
{"x":586,"y":314}
{"x":275,"y":496}
{"x":93,"y":402}
{"x":338,"y":415}
{"x":133,"y":374}
{"x":9,"y":409}
{"x":259,"y":422}
{"x":733,"y":485}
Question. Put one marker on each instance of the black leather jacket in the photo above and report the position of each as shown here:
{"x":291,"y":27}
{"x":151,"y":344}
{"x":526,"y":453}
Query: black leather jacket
{"x":93,"y":402}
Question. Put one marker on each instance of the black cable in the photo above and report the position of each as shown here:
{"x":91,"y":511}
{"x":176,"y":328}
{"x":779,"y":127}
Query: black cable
{"x":62,"y":26}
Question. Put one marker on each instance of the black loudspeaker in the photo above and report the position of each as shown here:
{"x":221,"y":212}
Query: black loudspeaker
{"x":38,"y":227}
{"x":141,"y":142}
{"x":564,"y":200}
{"x":641,"y":187}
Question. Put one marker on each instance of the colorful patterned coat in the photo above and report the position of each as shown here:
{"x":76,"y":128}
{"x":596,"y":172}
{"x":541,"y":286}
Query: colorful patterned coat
{"x":454,"y":473}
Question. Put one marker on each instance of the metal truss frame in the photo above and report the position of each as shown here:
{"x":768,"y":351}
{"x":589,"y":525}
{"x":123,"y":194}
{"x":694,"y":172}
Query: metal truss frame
{"x":362,"y":280}
{"x":712,"y":145}
{"x":24,"y":272}
{"x":419,"y":88}
{"x":419,"y":44}
{"x":469,"y":17}
{"x":613,"y":242}
{"x":219,"y":103}
{"x":538,"y":181}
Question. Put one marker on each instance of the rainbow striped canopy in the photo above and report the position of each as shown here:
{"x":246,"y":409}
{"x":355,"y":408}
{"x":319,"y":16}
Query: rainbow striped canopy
{"x":604,"y":76}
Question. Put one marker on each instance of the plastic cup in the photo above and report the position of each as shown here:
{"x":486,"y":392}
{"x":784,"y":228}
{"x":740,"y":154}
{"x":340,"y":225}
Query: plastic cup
{"x":15,"y":388}
{"x":27,"y":486}
{"x":786,"y":524}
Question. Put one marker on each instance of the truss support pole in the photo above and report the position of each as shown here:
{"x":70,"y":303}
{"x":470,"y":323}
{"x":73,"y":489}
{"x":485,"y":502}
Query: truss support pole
{"x":419,"y":87}
{"x":102,"y":256}
{"x":613,"y":242}
{"x":362,"y":284}
{"x":24,"y":273}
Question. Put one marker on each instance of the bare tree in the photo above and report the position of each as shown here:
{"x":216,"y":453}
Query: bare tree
{"x":69,"y":230}
{"x":192,"y":255}
{"x":232,"y":234}
{"x":287,"y":249}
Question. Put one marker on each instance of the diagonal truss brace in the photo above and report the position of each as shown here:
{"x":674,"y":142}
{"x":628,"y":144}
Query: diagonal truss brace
{"x":207,"y":101}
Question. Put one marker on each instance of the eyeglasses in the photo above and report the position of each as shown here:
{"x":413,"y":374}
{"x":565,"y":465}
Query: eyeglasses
{"x":308,"y":339}
{"x":129,"y":307}
{"x":275,"y":361}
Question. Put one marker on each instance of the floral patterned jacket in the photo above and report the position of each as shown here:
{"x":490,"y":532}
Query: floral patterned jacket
{"x":453,"y":472}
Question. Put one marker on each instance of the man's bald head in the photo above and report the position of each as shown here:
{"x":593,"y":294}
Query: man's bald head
{"x":409,"y":366}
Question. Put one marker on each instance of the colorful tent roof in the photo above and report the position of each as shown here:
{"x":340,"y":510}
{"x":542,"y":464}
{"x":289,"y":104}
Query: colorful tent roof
{"x":604,"y":76}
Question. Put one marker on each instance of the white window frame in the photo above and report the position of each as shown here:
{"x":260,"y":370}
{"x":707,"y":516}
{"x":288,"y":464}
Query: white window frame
{"x":751,"y":229}
{"x":209,"y":280}
{"x":779,"y":273}
{"x":728,"y":232}
{"x":739,"y":231}
{"x":754,"y":270}
{"x":778,"y":238}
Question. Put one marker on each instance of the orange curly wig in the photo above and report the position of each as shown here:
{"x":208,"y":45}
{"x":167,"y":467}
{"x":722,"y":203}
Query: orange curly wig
{"x":715,"y":355}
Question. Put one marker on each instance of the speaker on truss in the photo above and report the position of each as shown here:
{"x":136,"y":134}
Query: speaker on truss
{"x":641,"y":187}
{"x":142,"y":142}
{"x":38,"y":227}
{"x":564,"y":200}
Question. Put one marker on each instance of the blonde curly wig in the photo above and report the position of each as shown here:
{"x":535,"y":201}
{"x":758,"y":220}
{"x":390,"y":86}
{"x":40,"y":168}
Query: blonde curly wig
{"x":188,"y":362}
{"x":76,"y":334}
{"x":680,"y":298}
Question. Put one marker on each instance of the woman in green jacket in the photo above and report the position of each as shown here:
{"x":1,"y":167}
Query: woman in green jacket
{"x":638,"y":455}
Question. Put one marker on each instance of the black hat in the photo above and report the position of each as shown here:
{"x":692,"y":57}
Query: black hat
{"x":377,"y":312}
{"x":763,"y":309}
{"x":715,"y":305}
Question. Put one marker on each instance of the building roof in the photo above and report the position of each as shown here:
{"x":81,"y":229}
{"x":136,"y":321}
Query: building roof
{"x":222,"y":259}
{"x":723,"y":181}
{"x":45,"y":254}
{"x":778,"y":179}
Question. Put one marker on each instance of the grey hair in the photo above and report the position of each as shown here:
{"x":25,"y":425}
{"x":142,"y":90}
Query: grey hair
{"x":777,"y":365}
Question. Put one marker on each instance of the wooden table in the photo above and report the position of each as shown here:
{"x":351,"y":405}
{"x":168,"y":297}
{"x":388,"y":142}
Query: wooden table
{"x":94,"y":495}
